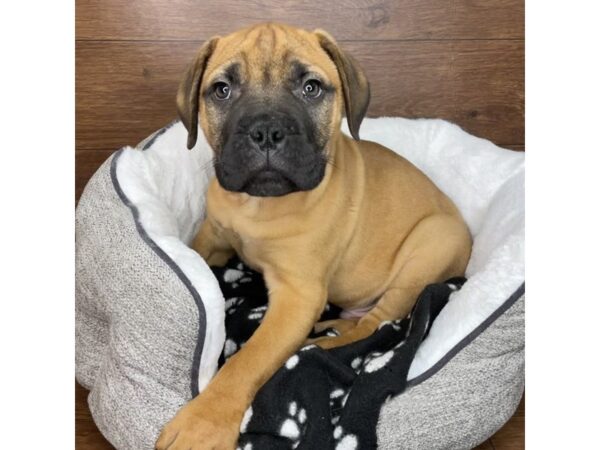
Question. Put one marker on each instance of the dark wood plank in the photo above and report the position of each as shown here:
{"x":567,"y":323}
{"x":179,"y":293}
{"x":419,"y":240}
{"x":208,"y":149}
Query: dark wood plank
{"x":346,"y":19}
{"x":86,"y":163}
{"x":487,"y":445}
{"x":87,"y":435}
{"x":476,"y":84}
{"x":126,"y":90}
{"x":512,"y":435}
{"x":515,"y":147}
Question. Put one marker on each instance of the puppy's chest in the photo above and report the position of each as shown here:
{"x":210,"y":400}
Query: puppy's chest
{"x":247,"y":246}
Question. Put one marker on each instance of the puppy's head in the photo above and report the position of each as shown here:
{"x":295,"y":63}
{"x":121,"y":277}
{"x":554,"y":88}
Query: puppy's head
{"x":269,"y":99}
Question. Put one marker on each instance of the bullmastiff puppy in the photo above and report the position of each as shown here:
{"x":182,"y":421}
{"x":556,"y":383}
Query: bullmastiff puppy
{"x":322,"y":215}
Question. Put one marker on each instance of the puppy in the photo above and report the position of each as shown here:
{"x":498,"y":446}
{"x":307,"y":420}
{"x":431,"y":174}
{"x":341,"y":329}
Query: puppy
{"x":323,"y":216}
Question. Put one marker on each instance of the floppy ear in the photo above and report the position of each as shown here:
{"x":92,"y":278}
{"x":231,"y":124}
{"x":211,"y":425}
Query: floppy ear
{"x":355,"y":85}
{"x":189,"y":90}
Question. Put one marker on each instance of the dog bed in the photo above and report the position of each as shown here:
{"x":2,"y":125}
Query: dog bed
{"x":150,"y":313}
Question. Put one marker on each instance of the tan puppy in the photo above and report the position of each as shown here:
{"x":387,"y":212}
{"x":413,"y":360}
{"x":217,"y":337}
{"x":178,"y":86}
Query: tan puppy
{"x":321,"y":215}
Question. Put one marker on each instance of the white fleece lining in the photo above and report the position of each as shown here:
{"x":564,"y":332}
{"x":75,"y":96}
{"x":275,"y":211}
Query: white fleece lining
{"x":167,"y":184}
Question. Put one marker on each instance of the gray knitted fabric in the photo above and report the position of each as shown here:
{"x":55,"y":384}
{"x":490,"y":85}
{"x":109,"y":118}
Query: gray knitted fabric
{"x":136,"y":323}
{"x":467,"y":400}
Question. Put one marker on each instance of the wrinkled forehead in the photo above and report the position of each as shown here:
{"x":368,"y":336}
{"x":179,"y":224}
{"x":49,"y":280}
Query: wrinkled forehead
{"x":269,"y":55}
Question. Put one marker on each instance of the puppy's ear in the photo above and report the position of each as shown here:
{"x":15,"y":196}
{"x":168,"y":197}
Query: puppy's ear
{"x":355,"y":85}
{"x":189,"y":90}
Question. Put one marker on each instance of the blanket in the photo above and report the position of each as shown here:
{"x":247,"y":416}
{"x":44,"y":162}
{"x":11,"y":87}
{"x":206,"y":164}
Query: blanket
{"x":323,"y":399}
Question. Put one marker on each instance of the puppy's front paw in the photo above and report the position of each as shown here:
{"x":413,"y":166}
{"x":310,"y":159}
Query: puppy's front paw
{"x":340,"y":325}
{"x":336,"y":329}
{"x":327,"y":342}
{"x":191,"y":430}
{"x":350,"y":335}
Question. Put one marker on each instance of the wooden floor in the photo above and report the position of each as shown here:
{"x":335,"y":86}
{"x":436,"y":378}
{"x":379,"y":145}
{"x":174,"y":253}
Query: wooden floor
{"x":87,"y":437}
{"x":462,"y":61}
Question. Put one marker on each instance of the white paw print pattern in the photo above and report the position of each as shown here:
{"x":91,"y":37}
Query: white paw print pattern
{"x":337,"y":400}
{"x":308,"y":347}
{"x":394,"y":324}
{"x":230,"y":348}
{"x":257,"y":313}
{"x":292,"y":425}
{"x":344,"y":441}
{"x":246,"y":419}
{"x":232,"y":275}
{"x":357,"y":364}
{"x":244,"y":428}
{"x":292,"y":362}
{"x":231,"y":304}
{"x":377,"y":361}
{"x":336,"y":393}
{"x":453,"y":287}
{"x":236,"y":276}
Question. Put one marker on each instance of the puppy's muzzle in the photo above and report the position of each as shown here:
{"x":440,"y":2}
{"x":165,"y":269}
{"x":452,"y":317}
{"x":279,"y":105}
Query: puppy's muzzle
{"x":271,"y":133}
{"x":269,"y":152}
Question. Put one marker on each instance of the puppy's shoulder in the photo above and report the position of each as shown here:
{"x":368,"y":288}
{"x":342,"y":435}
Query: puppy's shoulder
{"x":386,"y":168}
{"x":375,"y":154}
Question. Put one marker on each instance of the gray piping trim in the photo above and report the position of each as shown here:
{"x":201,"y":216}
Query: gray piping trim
{"x":162,"y":255}
{"x":469,"y":338}
{"x":156,"y":134}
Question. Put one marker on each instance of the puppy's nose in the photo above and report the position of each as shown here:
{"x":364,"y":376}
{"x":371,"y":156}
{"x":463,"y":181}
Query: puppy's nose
{"x":267,"y":134}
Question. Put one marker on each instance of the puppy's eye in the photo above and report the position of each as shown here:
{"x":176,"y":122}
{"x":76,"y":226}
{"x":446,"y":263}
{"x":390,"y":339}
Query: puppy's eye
{"x":312,"y":89}
{"x":222,"y":90}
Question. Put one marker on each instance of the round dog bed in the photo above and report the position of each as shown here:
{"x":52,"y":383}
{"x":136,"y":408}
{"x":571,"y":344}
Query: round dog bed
{"x":150,"y":314}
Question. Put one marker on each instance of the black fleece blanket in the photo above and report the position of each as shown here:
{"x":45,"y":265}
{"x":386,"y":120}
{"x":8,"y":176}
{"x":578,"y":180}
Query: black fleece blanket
{"x":323,"y":399}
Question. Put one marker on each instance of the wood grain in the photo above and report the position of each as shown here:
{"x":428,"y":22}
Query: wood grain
{"x":512,"y":434}
{"x":487,"y":445}
{"x":87,"y":435}
{"x":126,"y":90}
{"x":86,"y":163}
{"x":516,"y":147}
{"x":345,"y":19}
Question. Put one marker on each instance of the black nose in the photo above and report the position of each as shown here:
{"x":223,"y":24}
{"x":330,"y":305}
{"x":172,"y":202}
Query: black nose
{"x":267,"y":134}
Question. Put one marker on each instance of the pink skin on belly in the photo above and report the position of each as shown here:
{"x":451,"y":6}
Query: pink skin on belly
{"x":356,"y":313}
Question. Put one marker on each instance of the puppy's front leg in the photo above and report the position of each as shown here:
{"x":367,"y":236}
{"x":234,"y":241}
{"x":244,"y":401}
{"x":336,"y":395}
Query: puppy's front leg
{"x":215,"y":250}
{"x":212,"y":420}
